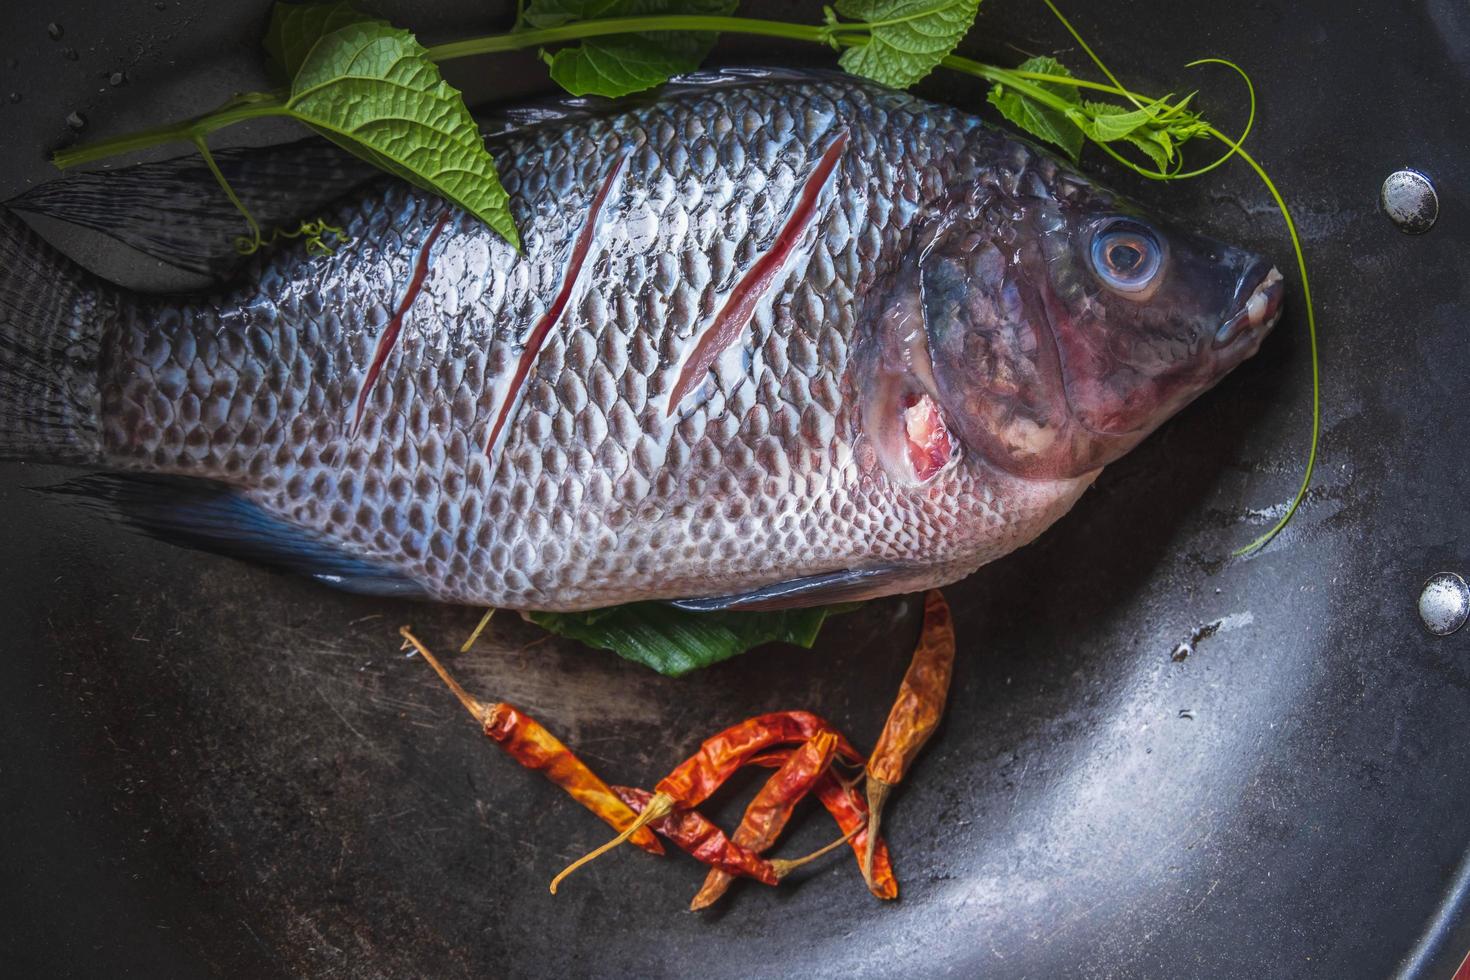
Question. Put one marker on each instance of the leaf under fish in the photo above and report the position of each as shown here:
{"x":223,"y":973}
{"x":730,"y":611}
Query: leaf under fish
{"x":675,"y":641}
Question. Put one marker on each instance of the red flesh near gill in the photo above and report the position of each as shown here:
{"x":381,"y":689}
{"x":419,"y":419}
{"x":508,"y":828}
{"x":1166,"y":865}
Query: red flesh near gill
{"x":730,"y":323}
{"x":389,"y":338}
{"x":927,"y":436}
{"x":537,"y":337}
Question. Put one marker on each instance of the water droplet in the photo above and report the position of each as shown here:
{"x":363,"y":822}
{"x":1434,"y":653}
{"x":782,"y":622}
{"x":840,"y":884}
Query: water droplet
{"x":76,"y":120}
{"x":14,"y":97}
{"x":160,"y":5}
{"x":1444,"y":604}
{"x":54,"y":31}
{"x":117,"y":78}
{"x":70,"y":54}
{"x":1409,"y":200}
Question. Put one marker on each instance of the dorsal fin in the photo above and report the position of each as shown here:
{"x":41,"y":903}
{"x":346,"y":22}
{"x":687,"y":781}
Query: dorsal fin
{"x":503,"y":120}
{"x":174,"y":211}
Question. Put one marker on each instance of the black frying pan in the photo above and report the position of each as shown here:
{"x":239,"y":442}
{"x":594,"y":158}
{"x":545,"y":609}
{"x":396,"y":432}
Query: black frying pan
{"x":207,"y":769}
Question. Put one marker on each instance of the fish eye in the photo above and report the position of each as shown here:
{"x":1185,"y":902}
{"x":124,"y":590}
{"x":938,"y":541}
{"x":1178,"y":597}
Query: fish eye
{"x":1126,"y":255}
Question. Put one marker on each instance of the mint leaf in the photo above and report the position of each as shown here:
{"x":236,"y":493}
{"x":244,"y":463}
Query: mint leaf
{"x":626,"y":63}
{"x":1042,"y":121}
{"x":296,"y":27}
{"x":675,"y":641}
{"x":908,"y":38}
{"x":1155,"y":129}
{"x":1110,"y":122}
{"x":371,"y":88}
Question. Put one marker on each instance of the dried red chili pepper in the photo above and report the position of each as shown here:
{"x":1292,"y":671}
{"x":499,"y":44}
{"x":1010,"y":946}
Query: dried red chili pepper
{"x":694,"y":779}
{"x":694,"y":833}
{"x":914,"y":716}
{"x":849,"y":809}
{"x":530,"y":744}
{"x":771,"y":809}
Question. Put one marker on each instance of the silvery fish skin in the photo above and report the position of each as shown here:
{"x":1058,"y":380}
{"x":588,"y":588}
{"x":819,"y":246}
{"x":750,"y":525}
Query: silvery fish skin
{"x":769,"y":330}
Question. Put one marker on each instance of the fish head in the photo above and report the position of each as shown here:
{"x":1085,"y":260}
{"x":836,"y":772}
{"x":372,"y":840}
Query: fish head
{"x":1066,"y":326}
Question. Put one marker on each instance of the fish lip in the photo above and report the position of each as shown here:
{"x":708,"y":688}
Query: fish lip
{"x":1261,"y":280}
{"x":1257,"y":311}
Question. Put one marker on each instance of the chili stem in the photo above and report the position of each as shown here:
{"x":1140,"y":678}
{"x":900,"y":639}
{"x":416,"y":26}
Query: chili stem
{"x":784,"y":867}
{"x":484,"y":621}
{"x":877,"y":799}
{"x":472,"y":705}
{"x":659,"y":805}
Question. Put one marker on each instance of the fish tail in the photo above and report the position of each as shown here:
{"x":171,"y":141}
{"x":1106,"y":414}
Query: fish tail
{"x":51,"y":311}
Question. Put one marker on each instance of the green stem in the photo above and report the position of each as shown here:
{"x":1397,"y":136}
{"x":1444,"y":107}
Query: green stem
{"x":1095,"y":59}
{"x":1250,"y":119}
{"x":219,"y":178}
{"x":254,"y":106}
{"x":1013,"y":76}
{"x":517,"y":40}
{"x":1301,"y":268}
{"x":1022,"y":81}
{"x":841,"y":35}
{"x":1018,"y":80}
{"x":262,"y":104}
{"x":1073,"y":82}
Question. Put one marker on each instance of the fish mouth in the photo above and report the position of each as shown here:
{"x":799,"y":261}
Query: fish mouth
{"x":1257,"y":313}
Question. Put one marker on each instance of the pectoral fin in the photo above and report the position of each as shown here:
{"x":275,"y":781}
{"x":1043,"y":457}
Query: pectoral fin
{"x":852,"y":585}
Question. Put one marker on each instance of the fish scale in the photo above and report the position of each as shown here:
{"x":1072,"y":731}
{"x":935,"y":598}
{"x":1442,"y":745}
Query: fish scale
{"x":612,"y":479}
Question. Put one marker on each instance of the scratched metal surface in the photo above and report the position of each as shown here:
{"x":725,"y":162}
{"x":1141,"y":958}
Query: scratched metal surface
{"x":212,"y":770}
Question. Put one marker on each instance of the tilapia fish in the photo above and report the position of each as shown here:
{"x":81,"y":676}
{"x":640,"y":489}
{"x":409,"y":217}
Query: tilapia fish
{"x":772,"y":340}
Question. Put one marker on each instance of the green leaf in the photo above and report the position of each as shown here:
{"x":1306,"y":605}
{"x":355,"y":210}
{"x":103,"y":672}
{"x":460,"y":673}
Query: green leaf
{"x":295,"y":28}
{"x":1042,"y":121}
{"x":1106,"y":122}
{"x":907,"y":39}
{"x":675,"y":641}
{"x":554,"y":13}
{"x":1158,"y":147}
{"x":1155,"y":129}
{"x":626,"y":63}
{"x":371,"y":88}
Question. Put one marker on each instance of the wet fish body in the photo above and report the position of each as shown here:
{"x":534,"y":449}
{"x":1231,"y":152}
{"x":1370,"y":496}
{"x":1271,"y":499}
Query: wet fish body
{"x":770,"y":340}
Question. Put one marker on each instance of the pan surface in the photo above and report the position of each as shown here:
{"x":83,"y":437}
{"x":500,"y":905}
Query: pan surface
{"x":209,"y":769}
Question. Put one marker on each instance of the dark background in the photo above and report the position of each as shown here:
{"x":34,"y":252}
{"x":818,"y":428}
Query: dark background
{"x":207,"y":769}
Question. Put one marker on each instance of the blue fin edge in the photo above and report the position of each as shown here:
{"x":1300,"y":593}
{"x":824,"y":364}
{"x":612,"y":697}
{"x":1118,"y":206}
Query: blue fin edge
{"x":217,"y":518}
{"x":797,"y":593}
